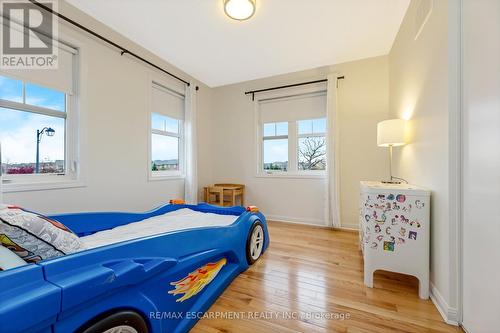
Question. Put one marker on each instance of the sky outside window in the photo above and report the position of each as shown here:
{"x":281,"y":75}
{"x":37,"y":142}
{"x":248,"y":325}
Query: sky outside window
{"x":164,"y":152}
{"x":11,"y":90}
{"x":18,"y":137}
{"x":312,"y":126}
{"x":18,"y":129}
{"x":164,"y":123}
{"x":275,"y":151}
{"x":276,"y":129}
{"x":45,"y":98}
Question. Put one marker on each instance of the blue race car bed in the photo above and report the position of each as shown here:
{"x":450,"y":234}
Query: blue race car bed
{"x":158,"y":283}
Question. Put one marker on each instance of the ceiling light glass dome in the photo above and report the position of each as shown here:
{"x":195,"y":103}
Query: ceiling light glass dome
{"x":239,"y":9}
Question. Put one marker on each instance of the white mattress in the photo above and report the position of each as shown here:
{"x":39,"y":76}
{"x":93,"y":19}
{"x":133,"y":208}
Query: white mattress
{"x":177,"y":220}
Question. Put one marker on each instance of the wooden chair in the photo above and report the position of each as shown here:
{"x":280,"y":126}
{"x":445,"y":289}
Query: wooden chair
{"x":225,"y":194}
{"x":215,"y":195}
{"x":232,"y":192}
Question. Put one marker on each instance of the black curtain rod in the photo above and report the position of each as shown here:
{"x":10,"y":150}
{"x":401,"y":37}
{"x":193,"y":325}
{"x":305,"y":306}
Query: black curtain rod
{"x":121,"y":48}
{"x":253,"y":92}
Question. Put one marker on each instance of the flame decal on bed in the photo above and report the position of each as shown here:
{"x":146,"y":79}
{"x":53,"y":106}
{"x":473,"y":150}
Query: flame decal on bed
{"x":197,"y":280}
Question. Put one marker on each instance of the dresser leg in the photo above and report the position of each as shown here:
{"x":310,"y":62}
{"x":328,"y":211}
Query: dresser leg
{"x":423,"y":288}
{"x":369,"y":278}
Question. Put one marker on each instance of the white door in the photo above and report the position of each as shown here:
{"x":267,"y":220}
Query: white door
{"x":481,"y":169}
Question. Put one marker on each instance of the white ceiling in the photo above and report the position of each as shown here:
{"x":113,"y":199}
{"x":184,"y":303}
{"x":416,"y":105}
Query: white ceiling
{"x":284,"y":35}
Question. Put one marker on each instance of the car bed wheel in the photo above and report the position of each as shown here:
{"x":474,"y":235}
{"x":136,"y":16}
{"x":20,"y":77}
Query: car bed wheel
{"x":255,"y":242}
{"x":120,"y":322}
{"x":122,"y":329}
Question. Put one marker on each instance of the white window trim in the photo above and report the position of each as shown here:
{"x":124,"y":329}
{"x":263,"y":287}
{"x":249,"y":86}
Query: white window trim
{"x":293,"y":139}
{"x":52,"y":184}
{"x":38,"y":182}
{"x":304,"y":175}
{"x":166,"y":174}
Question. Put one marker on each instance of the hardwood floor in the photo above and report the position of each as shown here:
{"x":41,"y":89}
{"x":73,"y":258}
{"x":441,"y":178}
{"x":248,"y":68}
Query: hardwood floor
{"x":316,"y":272}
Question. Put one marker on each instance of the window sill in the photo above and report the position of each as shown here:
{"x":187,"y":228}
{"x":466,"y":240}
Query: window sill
{"x":292,"y":175}
{"x":153,"y":178}
{"x":12,"y":187}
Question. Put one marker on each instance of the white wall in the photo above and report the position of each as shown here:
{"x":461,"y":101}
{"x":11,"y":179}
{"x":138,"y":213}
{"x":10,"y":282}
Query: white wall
{"x":362,"y":102}
{"x":481,"y":161}
{"x":114,"y":130}
{"x":423,"y":87}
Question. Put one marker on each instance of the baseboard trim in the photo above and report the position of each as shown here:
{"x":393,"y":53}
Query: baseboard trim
{"x":310,"y":222}
{"x":350,"y":227}
{"x":295,"y":220}
{"x":449,"y":314}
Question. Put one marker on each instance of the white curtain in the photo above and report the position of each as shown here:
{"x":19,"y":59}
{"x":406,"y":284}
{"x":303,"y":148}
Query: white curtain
{"x":332,"y":198}
{"x":191,"y":180}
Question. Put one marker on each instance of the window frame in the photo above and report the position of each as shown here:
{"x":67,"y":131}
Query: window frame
{"x":166,"y":174}
{"x":70,"y":177}
{"x":293,"y":140}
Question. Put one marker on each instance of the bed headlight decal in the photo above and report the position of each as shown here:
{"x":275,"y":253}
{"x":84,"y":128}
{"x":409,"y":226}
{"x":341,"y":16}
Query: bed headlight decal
{"x":192,"y":284}
{"x":177,"y":202}
{"x":253,"y":209}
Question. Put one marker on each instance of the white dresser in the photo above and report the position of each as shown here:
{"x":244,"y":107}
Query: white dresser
{"x":394,"y":231}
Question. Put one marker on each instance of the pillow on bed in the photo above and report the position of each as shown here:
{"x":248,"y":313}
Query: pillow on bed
{"x":34,"y":237}
{"x":9,"y":259}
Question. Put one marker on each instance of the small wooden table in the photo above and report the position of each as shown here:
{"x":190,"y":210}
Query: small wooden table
{"x":230,"y":192}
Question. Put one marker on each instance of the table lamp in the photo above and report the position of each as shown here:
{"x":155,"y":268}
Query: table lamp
{"x":391,"y":133}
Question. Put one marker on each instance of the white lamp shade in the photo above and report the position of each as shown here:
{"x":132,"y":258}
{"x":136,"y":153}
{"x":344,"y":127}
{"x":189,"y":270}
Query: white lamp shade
{"x":391,"y":133}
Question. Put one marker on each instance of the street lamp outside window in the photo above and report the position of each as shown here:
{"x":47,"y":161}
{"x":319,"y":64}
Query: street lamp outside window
{"x":49,"y":132}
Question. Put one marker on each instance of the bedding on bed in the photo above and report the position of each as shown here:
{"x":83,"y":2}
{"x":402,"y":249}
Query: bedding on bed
{"x":177,"y":220}
{"x":34,"y":237}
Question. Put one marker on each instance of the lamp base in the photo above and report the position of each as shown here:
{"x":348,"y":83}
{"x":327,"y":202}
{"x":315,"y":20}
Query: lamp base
{"x":391,"y":182}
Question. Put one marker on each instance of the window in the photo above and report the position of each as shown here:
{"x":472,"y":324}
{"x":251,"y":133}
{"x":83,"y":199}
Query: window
{"x":311,"y":153}
{"x":33,"y":123}
{"x":167,"y":132}
{"x":275,"y":146}
{"x":165,"y":142}
{"x":38,"y":125}
{"x":292,"y":132}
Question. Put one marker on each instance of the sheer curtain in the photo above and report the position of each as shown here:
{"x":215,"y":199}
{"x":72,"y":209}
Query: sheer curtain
{"x":332,"y":198}
{"x":191,"y":180}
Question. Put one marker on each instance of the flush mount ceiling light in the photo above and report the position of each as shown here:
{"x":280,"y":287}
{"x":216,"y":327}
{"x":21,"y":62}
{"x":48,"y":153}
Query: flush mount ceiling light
{"x":239,"y":9}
